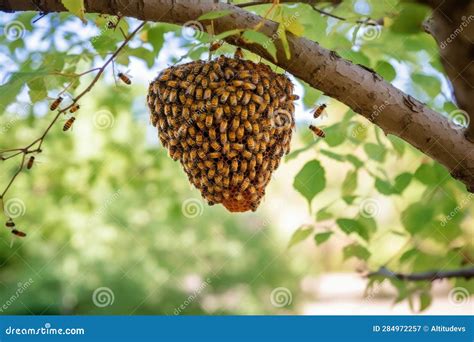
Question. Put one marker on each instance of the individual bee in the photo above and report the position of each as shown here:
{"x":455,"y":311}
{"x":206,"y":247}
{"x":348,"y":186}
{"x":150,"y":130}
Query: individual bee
{"x":237,"y":147}
{"x":251,"y":143}
{"x":212,"y":134}
{"x":178,"y":73}
{"x":124,"y":78}
{"x":247,"y":155}
{"x":18,"y":233}
{"x":216,"y":45}
{"x":74,"y":108}
{"x":225,"y":95}
{"x":233,"y":100}
{"x":246,"y":98}
{"x":209,"y":119}
{"x":239,"y":54}
{"x":29,"y":165}
{"x":252,"y":109}
{"x":56,"y":103}
{"x":245,"y":184}
{"x":228,"y":74}
{"x":164,"y":77}
{"x":243,"y":166}
{"x":234,"y":166}
{"x":240,"y":132}
{"x":317,"y":131}
{"x":260,"y":90}
{"x":173,"y":95}
{"x":319,"y":110}
{"x":207,"y":94}
{"x":213,"y":76}
{"x":249,"y":86}
{"x":69,"y":123}
{"x":190,"y":90}
{"x":10,"y":223}
{"x":111,"y":24}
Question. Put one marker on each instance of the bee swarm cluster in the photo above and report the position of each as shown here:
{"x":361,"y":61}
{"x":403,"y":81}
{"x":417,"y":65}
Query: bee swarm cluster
{"x":228,"y":121}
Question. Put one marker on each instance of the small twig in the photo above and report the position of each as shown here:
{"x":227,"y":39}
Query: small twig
{"x":466,"y":273}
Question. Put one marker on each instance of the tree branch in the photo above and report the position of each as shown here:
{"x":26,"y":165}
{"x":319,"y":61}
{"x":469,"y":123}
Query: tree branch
{"x":361,"y":89}
{"x":466,"y":273}
{"x":452,"y":26}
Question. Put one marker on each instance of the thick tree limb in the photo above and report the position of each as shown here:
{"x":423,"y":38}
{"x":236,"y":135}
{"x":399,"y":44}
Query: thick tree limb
{"x":364,"y":91}
{"x":466,"y":273}
{"x":452,"y":26}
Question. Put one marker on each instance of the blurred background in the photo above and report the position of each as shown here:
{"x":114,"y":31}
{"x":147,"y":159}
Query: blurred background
{"x":114,"y":227}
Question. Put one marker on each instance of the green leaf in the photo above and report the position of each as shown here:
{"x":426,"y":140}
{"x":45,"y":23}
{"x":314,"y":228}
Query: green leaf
{"x":416,"y":217}
{"x":408,"y":255}
{"x":386,"y":70}
{"x":354,"y":161}
{"x":430,"y":84}
{"x":401,"y":182}
{"x":397,"y":143}
{"x":332,"y":155}
{"x":335,"y":135}
{"x":323,"y":214}
{"x":349,"y":226}
{"x":299,"y":235}
{"x":425,"y":300}
{"x":431,"y":174}
{"x":214,"y":15}
{"x":375,"y":152}
{"x":156,"y":37}
{"x":310,"y":180}
{"x":266,"y":42}
{"x":410,"y":19}
{"x":350,"y":183}
{"x":383,"y":187}
{"x":76,"y":7}
{"x":349,"y":199}
{"x":320,"y":238}
{"x":357,"y":251}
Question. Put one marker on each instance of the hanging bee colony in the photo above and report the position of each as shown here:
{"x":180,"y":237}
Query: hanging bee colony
{"x":228,"y":121}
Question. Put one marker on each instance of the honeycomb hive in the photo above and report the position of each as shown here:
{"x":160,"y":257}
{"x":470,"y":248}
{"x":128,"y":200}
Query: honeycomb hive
{"x":228,"y":121}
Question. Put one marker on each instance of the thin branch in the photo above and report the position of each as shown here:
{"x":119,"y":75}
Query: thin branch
{"x":466,"y":273}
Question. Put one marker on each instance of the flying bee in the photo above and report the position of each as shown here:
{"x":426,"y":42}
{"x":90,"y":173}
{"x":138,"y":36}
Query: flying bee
{"x":69,"y":123}
{"x":319,"y":110}
{"x":239,"y":54}
{"x":10,"y":223}
{"x":319,"y":132}
{"x":56,"y":103}
{"x":74,"y":108}
{"x":18,"y":233}
{"x":29,"y":165}
{"x":124,"y":78}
